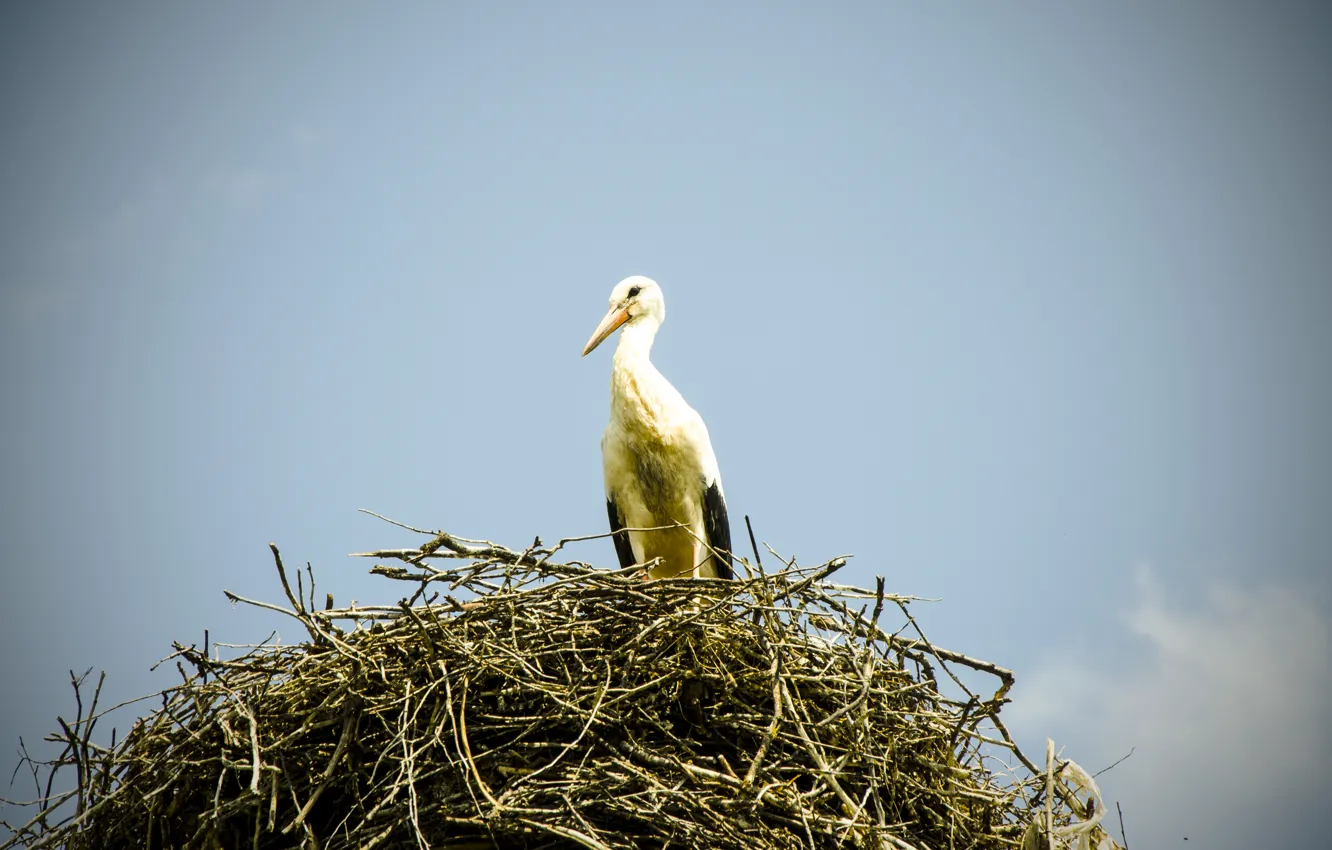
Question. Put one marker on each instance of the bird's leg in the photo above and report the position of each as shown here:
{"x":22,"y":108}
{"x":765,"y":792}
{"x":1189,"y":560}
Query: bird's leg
{"x":649,"y":567}
{"x":695,"y":604}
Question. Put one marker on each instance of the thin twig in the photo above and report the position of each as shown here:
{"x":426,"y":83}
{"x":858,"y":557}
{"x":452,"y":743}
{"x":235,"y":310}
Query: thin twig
{"x":529,"y":701}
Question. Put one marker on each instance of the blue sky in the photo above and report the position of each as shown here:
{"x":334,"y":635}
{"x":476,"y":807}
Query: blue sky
{"x":1025,"y":305}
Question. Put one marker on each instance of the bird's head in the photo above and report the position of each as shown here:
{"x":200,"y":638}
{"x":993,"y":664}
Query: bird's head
{"x":634,"y":300}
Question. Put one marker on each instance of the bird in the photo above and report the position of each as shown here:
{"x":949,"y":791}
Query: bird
{"x":657,"y":459}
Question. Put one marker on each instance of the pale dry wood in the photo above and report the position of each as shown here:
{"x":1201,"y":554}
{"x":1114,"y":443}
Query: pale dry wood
{"x":557,"y":705}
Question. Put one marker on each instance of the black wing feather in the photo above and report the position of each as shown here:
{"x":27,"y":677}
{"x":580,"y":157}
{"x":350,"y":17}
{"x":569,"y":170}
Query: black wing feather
{"x":621,"y":537}
{"x":718,"y":528}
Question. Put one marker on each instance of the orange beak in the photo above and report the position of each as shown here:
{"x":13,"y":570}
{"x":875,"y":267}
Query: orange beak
{"x":614,"y":317}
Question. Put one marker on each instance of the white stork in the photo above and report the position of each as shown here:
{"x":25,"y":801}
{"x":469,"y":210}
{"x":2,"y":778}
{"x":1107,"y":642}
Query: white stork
{"x":658,"y":461}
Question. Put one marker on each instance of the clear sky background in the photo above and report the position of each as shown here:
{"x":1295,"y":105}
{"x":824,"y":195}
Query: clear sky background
{"x":1025,"y":305}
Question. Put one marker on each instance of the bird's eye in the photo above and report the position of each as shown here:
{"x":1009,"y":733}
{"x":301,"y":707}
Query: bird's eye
{"x":634,"y":290}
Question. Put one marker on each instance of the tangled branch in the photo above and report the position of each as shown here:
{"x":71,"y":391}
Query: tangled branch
{"x":514,"y":701}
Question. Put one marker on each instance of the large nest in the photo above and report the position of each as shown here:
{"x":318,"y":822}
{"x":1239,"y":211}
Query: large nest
{"x":514,"y":701}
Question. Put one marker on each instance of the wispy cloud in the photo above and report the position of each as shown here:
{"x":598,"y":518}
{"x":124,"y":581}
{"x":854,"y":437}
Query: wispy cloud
{"x":237,"y":188}
{"x":1226,"y":709}
{"x":31,"y":303}
{"x":53,"y":275}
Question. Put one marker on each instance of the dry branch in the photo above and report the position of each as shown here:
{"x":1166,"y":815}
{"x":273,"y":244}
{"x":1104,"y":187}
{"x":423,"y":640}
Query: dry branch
{"x":537,"y":704}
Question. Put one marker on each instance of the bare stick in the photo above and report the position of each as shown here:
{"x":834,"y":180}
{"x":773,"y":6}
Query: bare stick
{"x":758,"y":561}
{"x":1115,"y":764}
{"x":298,"y":608}
{"x":527,"y":700}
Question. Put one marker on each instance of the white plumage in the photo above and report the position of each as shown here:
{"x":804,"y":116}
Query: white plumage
{"x":656,"y":455}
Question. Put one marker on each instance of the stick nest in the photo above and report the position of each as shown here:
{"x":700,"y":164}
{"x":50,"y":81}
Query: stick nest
{"x":516,"y":702}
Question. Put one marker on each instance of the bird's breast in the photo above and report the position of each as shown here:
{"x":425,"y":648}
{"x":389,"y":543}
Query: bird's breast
{"x":656,"y":483}
{"x":650,"y":442}
{"x":638,"y":409}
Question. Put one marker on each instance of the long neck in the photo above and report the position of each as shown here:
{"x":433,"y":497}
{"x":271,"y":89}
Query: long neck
{"x":636,"y":342}
{"x":637,"y":388}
